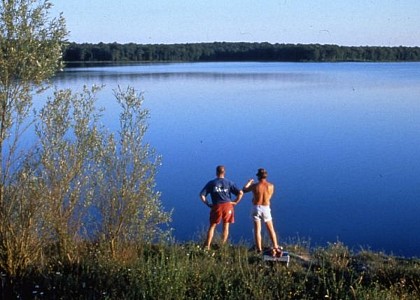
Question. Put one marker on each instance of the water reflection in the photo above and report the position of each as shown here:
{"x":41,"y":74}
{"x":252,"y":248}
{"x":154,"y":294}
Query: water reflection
{"x":102,"y":74}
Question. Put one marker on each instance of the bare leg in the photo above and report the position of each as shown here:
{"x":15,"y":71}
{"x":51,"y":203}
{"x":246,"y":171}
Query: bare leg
{"x":257,"y":235}
{"x":210,"y":234}
{"x":225,"y":232}
{"x":272,"y":233}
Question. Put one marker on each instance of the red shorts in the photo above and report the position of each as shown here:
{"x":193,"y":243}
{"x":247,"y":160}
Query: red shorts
{"x":222,"y":212}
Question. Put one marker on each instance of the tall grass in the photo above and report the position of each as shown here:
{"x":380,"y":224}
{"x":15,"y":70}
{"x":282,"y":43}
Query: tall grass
{"x":232,"y":272}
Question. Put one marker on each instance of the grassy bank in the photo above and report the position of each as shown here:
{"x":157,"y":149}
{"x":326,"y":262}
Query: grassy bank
{"x":231,"y":272}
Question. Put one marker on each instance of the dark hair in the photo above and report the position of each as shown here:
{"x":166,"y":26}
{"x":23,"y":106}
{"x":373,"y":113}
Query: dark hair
{"x":220,"y":170}
{"x":262,"y":173}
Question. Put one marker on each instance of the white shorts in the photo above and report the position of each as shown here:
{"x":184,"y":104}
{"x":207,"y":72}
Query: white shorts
{"x":261,"y":213}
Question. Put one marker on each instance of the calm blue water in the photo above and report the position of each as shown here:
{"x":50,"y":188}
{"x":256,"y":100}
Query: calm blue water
{"x":340,"y":142}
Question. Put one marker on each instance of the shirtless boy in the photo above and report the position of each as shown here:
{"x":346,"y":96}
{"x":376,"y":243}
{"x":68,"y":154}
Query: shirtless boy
{"x":261,"y":211}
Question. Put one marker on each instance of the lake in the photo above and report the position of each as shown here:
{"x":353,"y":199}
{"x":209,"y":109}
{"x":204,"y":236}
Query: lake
{"x":340,"y":142}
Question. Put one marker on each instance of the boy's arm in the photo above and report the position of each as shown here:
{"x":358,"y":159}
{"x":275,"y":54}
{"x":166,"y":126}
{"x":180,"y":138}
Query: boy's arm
{"x":248,"y":186}
{"x":204,"y":200}
{"x":238,"y":197}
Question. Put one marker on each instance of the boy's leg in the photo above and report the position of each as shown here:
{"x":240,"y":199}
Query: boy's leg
{"x":272,"y":233}
{"x":210,"y":234}
{"x":225,"y":234}
{"x":257,"y":235}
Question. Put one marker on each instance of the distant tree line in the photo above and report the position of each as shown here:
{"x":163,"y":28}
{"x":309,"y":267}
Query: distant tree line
{"x":224,"y":51}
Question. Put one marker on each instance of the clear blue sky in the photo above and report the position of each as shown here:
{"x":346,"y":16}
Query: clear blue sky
{"x":350,"y":22}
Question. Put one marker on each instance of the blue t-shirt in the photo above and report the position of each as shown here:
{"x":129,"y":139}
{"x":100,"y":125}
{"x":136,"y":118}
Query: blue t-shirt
{"x":220,"y":190}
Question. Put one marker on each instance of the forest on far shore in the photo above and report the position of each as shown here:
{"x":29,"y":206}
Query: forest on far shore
{"x":236,"y":51}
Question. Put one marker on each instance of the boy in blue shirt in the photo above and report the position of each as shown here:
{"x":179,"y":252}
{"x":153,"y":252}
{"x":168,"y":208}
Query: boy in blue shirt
{"x":220,"y":190}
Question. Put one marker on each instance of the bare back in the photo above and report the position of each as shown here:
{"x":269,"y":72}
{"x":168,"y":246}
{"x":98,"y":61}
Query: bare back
{"x":263,"y":190}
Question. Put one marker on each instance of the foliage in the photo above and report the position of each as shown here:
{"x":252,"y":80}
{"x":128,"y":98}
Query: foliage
{"x":21,"y":218}
{"x":96,"y":186}
{"x":182,"y":271}
{"x":30,"y":52}
{"x":222,"y":51}
{"x":77,"y":183}
{"x":130,"y":208}
{"x":82,"y":184}
{"x":68,"y":132}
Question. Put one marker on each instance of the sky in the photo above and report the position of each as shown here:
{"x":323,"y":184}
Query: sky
{"x":346,"y":23}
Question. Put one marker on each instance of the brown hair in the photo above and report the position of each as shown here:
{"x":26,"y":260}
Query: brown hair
{"x":220,"y":170}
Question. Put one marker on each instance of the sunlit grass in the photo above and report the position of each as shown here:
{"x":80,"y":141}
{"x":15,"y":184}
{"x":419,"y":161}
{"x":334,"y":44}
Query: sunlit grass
{"x":187,"y":271}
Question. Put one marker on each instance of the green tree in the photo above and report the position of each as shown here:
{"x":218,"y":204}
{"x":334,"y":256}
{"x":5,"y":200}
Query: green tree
{"x":130,"y":209}
{"x":68,"y":131}
{"x":30,"y":52}
{"x":77,"y":171}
